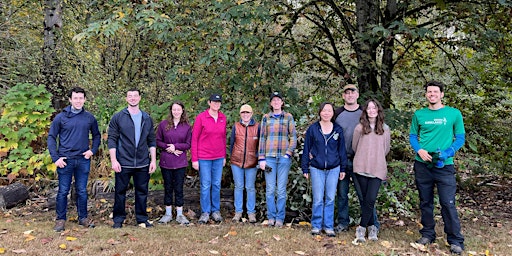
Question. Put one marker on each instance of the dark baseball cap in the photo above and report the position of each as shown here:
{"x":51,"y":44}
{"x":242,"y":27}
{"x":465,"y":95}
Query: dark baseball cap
{"x":215,"y":97}
{"x":276,"y":94}
{"x":351,"y":87}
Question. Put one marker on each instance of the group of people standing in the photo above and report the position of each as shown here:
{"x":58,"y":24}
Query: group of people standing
{"x":348,"y":143}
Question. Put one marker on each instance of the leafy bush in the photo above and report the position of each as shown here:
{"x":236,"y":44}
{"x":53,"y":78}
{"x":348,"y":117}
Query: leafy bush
{"x":24,"y":122}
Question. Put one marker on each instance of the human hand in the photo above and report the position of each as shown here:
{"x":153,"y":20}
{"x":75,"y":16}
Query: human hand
{"x":306,"y":175}
{"x":170,"y":148}
{"x":116,"y":166}
{"x":262,"y":164}
{"x":425,"y":155}
{"x":342,"y":175}
{"x":177,"y":152}
{"x":87,"y":154}
{"x":61,"y":162}
{"x":152,"y":167}
{"x":195,"y":165}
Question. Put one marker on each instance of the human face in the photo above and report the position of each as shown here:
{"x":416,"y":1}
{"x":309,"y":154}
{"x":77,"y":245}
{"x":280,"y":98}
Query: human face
{"x":350,"y":97}
{"x":276,"y":103}
{"x":246,"y":116}
{"x":177,"y":111}
{"x":133,"y":98}
{"x":327,"y":113}
{"x":434,"y":95}
{"x":77,"y":100}
{"x":372,"y":110}
{"x":214,"y":105}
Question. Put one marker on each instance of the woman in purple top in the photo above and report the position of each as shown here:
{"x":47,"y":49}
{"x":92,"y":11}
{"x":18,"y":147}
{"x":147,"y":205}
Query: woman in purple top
{"x":173,"y":137}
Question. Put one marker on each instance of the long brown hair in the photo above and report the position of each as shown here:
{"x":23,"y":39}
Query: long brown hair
{"x":379,"y":124}
{"x":183,"y":118}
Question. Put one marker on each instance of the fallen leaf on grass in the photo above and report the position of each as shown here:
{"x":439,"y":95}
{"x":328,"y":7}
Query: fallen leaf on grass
{"x":113,"y":242}
{"x":318,"y":238}
{"x":129,"y":252}
{"x":420,"y":247}
{"x":214,"y":241}
{"x":63,"y":246}
{"x":300,"y":252}
{"x":29,"y":238}
{"x":19,"y":251}
{"x":5,"y":232}
{"x":305,"y":223}
{"x":2,"y":250}
{"x":355,"y":242}
{"x":510,"y":232}
{"x":276,"y":237}
{"x":213,"y":252}
{"x":103,"y":200}
{"x":472,"y":253}
{"x":46,"y":240}
{"x":409,"y":232}
{"x":232,"y":232}
{"x":258,"y":232}
{"x":28,"y":232}
{"x":386,"y":244}
{"x":133,"y":239}
{"x":267,"y":250}
{"x":328,"y":246}
{"x":70,"y":238}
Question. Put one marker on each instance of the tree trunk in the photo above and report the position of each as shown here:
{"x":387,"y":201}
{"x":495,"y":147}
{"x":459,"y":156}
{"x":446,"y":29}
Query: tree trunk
{"x":367,"y":16}
{"x":387,"y":56}
{"x":52,"y":38}
{"x":12,"y":195}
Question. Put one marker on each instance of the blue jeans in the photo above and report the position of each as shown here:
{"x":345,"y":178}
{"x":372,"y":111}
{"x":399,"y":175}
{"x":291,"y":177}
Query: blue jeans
{"x":210,"y":176}
{"x":79,"y":168}
{"x":444,"y":178}
{"x":173,"y":186}
{"x":140,"y":183}
{"x":342,"y":198}
{"x":249,"y":176}
{"x":323,"y":184}
{"x":276,"y":182}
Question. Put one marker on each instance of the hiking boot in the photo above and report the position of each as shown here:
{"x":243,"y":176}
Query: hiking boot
{"x":86,"y":222}
{"x":117,"y":225}
{"x":217,"y":217}
{"x":252,"y":218}
{"x":315,"y":231}
{"x":145,"y":224}
{"x":360,"y":234}
{"x":455,"y":249}
{"x":237,"y":217}
{"x":181,"y":219}
{"x":424,"y":241}
{"x":373,"y":231}
{"x":330,"y":233}
{"x":279,"y":224}
{"x":59,"y":225}
{"x":165,"y":219}
{"x":341,"y":228}
{"x":205,"y":217}
{"x":271,"y":222}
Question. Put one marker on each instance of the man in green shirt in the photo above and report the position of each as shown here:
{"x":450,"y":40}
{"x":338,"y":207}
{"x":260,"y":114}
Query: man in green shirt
{"x":436,"y":133}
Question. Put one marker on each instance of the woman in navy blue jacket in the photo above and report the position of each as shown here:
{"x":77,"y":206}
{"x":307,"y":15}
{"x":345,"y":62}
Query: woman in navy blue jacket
{"x":324,"y":160}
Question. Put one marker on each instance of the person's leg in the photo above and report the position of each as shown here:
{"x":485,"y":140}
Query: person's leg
{"x":357,"y":187}
{"x":425,"y":184}
{"x":331,"y":182}
{"x":343,"y":218}
{"x":270,"y":189}
{"x":446,"y":189}
{"x":179,"y":179}
{"x":250,"y":180}
{"x":238,"y":178}
{"x":122,"y":180}
{"x":65,"y":176}
{"x":216,"y":180}
{"x":205,"y":178}
{"x":141,"y":185}
{"x":283,"y":168}
{"x":366,"y":212}
{"x":372,"y":191}
{"x":318,"y":179}
{"x":81,"y":173}
{"x":166,"y":176}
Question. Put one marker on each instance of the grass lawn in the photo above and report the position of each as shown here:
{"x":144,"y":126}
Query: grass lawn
{"x":30,"y":233}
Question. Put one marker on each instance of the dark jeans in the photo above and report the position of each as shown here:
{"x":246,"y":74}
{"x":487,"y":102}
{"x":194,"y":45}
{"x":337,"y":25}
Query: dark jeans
{"x":444,"y":178}
{"x":79,"y":168}
{"x":173,"y":184}
{"x":140,"y":182}
{"x":343,"y":217}
{"x":369,"y":191}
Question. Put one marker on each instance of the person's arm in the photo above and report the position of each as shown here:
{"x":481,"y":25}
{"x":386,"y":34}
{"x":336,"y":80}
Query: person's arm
{"x":52,"y":139}
{"x":152,"y":164}
{"x":415,"y":142}
{"x":160,"y":136}
{"x":185,"y":145}
{"x":196,"y":133}
{"x":292,"y":135}
{"x":262,"y":143}
{"x":96,"y":139}
{"x":232,"y":139}
{"x":306,"y":158}
{"x":356,"y":136}
{"x":113,"y":137}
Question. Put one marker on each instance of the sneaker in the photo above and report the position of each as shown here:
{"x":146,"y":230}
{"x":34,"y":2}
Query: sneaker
{"x":86,"y":222}
{"x":145,"y":224}
{"x":279,"y":224}
{"x":424,"y":241}
{"x":315,"y":231}
{"x":181,"y":219}
{"x":252,"y":218}
{"x":271,"y":222}
{"x":237,"y":217}
{"x":360,"y":234}
{"x":59,"y":225}
{"x":165,"y":219}
{"x":455,"y":249}
{"x":205,"y":217}
{"x":341,"y":228}
{"x":217,"y":217}
{"x":330,"y":233}
{"x":117,"y":225}
{"x":372,"y":233}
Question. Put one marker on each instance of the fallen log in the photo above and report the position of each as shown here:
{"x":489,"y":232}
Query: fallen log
{"x":13,"y":194}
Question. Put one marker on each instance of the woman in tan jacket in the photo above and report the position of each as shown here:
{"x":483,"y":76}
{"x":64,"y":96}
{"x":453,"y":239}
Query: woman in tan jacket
{"x":371,"y":143}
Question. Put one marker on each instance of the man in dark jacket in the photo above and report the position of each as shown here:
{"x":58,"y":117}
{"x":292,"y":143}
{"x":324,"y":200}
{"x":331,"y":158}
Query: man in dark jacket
{"x":72,"y":156}
{"x":132,"y":148}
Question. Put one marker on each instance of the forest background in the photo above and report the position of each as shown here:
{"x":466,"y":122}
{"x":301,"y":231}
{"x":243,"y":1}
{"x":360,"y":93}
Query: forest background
{"x":307,"y":49}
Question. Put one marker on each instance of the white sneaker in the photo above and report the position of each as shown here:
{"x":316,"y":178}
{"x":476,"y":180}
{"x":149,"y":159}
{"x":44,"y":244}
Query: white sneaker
{"x":181,"y":219}
{"x":372,"y":233}
{"x":165,"y":219}
{"x":217,"y":217}
{"x":360,"y":234}
{"x":205,"y":217}
{"x":237,"y":217}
